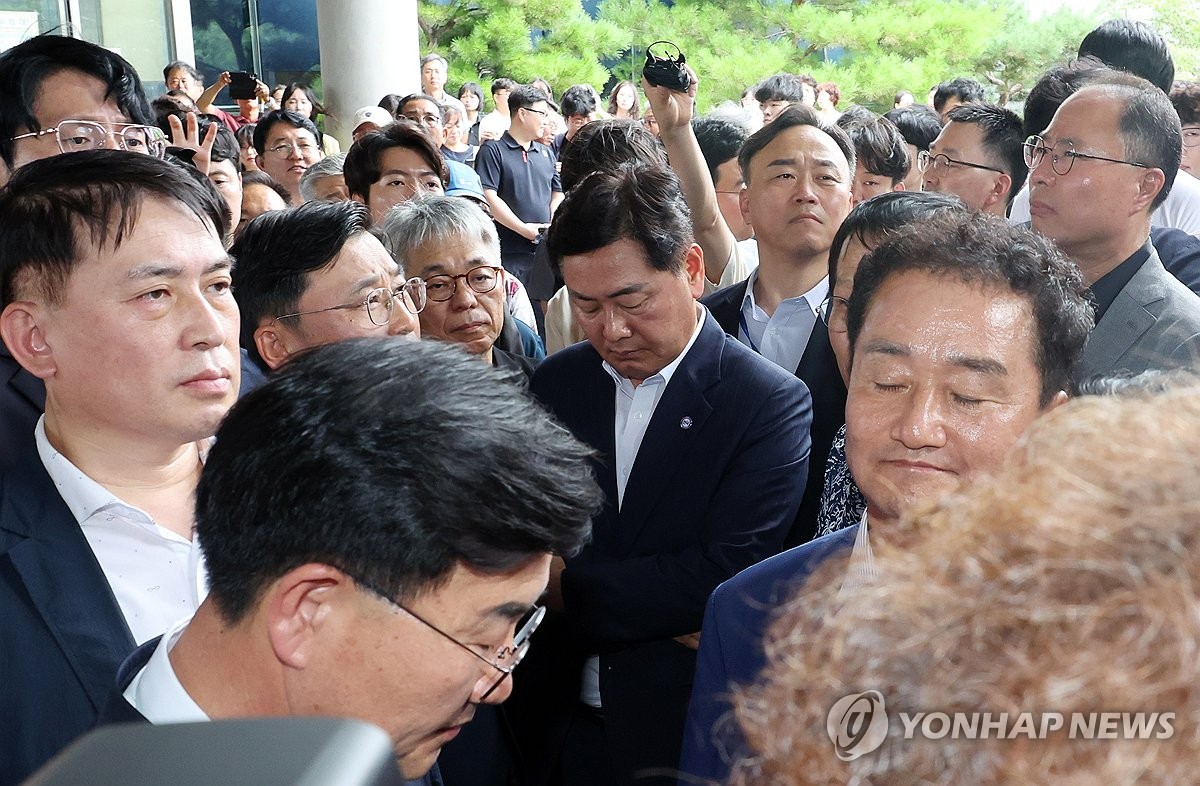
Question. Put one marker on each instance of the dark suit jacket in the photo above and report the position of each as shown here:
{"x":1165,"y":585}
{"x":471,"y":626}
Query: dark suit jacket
{"x":62,"y":634}
{"x":818,"y":369}
{"x":1154,"y":323}
{"x":731,"y":650}
{"x":715,"y":487}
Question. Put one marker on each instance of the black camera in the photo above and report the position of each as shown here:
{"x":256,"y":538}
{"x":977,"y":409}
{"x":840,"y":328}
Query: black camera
{"x":667,"y":70}
{"x":242,"y":84}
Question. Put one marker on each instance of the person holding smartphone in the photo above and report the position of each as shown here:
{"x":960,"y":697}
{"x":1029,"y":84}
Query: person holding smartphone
{"x":246,"y":90}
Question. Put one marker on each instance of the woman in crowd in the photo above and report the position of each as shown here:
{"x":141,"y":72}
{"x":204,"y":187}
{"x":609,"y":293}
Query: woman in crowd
{"x":623,"y":102}
{"x":301,"y":99}
{"x":455,"y":146}
{"x":471,"y":97}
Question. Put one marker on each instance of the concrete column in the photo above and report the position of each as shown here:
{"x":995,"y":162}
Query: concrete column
{"x":369,"y":48}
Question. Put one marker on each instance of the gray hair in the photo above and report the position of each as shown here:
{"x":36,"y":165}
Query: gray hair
{"x":326,"y":167}
{"x":441,"y":219}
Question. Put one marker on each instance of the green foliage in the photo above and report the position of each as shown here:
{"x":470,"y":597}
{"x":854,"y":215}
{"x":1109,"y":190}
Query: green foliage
{"x":871,"y":48}
{"x":1179,"y":23}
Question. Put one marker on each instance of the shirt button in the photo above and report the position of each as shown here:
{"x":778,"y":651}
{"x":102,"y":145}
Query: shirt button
{"x":774,"y":331}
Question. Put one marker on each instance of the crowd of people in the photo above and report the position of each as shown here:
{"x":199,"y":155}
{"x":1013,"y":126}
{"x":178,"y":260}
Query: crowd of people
{"x":708,"y":421}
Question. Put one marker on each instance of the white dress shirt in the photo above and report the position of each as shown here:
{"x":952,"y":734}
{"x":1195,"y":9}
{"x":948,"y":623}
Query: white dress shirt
{"x":781,"y":337}
{"x":156,"y":692}
{"x":157,"y":576}
{"x":635,"y":408}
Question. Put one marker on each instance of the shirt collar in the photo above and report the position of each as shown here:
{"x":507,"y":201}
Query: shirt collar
{"x":156,"y":691}
{"x":83,"y":496}
{"x":812,"y":297}
{"x":666,"y":372}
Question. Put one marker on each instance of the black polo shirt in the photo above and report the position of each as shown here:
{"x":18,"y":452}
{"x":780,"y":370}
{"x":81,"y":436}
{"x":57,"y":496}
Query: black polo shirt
{"x":524,"y":179}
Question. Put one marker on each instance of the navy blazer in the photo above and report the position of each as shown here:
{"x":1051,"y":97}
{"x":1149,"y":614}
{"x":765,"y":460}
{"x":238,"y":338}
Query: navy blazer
{"x":62,"y":634}
{"x":731,"y":650}
{"x":715,"y":488}
{"x":818,"y":369}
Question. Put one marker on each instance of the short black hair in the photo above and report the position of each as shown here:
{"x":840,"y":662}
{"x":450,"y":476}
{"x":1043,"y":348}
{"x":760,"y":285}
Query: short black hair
{"x":1148,"y":125}
{"x":471,"y":87}
{"x":262,"y":129}
{"x":179,"y":65}
{"x":225,"y":145}
{"x":1134,"y":47}
{"x":257,"y":177}
{"x":502,"y":83}
{"x":1185,"y":97}
{"x":720,"y":140}
{"x":364,"y":159}
{"x":390,"y":102}
{"x":55,"y":211}
{"x":967,"y":91}
{"x":985,"y":250}
{"x":277,"y":250}
{"x":1003,"y":139}
{"x":25,"y":66}
{"x":607,"y":145}
{"x":642,"y":203}
{"x":524,"y":96}
{"x":779,"y":87}
{"x":578,"y":100}
{"x":794,"y":115}
{"x":874,"y":220}
{"x":918,"y":124}
{"x":879,"y":148}
{"x":421,"y":97}
{"x":393,"y":462}
{"x":1058,"y":84}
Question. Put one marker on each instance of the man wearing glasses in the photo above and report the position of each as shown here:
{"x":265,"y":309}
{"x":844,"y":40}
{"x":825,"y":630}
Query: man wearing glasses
{"x":519,"y":180}
{"x":360,"y":568}
{"x":314,"y":275}
{"x":289,"y":144}
{"x":977,"y":157}
{"x":1106,"y":161}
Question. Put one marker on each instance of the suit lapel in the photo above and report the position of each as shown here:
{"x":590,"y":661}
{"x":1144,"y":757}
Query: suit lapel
{"x":63,"y":579}
{"x":674,"y":431}
{"x":1125,"y":321}
{"x":726,"y":307}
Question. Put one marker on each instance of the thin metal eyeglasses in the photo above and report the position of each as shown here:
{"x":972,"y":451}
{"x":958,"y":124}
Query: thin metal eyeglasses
{"x":482,"y":279}
{"x":75,"y":136}
{"x":285,"y":149}
{"x":833,"y":313}
{"x":1035,"y":150}
{"x":505,"y":660}
{"x":428,"y":120}
{"x":1191,"y":136}
{"x":379,"y":303}
{"x":941,"y":162}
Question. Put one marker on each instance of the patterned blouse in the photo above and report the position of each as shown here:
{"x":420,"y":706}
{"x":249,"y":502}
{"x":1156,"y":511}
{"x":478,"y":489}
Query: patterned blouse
{"x":842,"y":504}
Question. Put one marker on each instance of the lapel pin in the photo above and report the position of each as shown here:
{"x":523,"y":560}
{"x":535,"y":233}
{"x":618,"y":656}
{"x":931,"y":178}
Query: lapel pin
{"x":686,"y":422}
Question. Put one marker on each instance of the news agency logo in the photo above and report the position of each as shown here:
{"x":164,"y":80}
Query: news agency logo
{"x":857,"y":724}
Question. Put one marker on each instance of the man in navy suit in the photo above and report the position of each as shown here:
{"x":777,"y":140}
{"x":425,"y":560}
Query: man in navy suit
{"x":702,"y":449}
{"x":368,"y":556}
{"x":962,"y":330}
{"x":114,"y":283}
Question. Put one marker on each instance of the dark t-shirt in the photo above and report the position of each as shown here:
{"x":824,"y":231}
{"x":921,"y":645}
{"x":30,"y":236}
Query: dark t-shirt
{"x":524,"y":179}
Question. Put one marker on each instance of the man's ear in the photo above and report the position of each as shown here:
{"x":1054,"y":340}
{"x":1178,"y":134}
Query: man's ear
{"x":272,"y":343}
{"x":744,"y":202}
{"x":1150,"y":184}
{"x":693,"y":262}
{"x":301,"y":607}
{"x":22,"y":329}
{"x":1056,"y":401}
{"x":999,"y":192}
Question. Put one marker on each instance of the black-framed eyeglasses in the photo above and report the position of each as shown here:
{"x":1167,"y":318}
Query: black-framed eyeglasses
{"x":1063,"y":155}
{"x":76,"y":136}
{"x":505,"y":660}
{"x":833,"y":313}
{"x":379,"y":303}
{"x":482,"y":279}
{"x":941,"y":163}
{"x":541,"y":112}
{"x":1191,"y":136}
